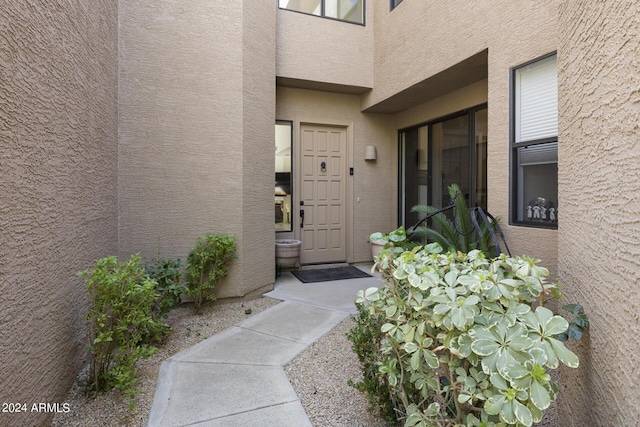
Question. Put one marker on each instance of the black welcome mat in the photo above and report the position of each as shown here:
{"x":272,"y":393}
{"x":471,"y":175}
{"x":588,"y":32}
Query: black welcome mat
{"x":328,"y":274}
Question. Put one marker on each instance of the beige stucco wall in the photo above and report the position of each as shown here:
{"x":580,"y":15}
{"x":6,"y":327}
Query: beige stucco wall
{"x":197,"y":100}
{"x":196,"y":103}
{"x":317,"y":49}
{"x":535,"y":24}
{"x":466,"y":97}
{"x":419,"y":39}
{"x":372,"y":194}
{"x":258,"y":142}
{"x":599,"y":243}
{"x":58,"y":126}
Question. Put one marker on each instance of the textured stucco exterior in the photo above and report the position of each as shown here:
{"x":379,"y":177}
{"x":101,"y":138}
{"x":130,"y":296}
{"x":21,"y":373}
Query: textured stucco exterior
{"x":536,"y":26}
{"x":58,"y":214}
{"x":315,"y":50}
{"x":197,"y":102}
{"x":257,"y":250}
{"x":407,"y":49}
{"x":599,"y":237}
{"x":137,"y":126}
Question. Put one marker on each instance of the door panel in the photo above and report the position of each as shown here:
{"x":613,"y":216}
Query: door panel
{"x":323,"y":190}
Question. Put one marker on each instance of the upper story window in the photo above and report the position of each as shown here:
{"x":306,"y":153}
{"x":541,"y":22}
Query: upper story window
{"x":344,"y":10}
{"x":534,"y":143}
{"x":395,"y":3}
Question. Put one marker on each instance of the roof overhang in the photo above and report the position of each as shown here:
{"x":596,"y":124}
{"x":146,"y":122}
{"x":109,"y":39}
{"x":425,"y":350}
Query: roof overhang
{"x":464,"y":73}
{"x":321,"y":86}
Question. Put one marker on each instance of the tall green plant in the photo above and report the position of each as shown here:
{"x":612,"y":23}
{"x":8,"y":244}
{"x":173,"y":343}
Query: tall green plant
{"x":207,"y":263}
{"x":458,"y":234}
{"x":119,"y":318}
{"x":459,"y":331}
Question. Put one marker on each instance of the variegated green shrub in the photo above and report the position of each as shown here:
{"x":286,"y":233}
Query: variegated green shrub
{"x":461,"y":331}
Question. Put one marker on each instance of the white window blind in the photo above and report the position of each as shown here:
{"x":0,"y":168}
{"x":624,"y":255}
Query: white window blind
{"x":537,"y":100}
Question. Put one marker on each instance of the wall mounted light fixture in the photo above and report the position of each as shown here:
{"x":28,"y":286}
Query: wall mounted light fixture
{"x":370,"y":153}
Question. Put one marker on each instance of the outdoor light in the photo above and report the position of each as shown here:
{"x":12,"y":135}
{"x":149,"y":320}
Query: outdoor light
{"x":370,"y":153}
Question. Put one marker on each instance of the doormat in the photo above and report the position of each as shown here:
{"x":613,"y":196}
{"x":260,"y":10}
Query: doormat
{"x":328,"y":274}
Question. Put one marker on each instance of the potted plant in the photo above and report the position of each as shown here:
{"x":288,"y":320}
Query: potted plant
{"x":378,"y":241}
{"x":395,"y":242}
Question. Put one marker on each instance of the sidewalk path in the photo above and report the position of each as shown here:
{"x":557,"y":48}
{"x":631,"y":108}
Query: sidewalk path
{"x":236,"y":377}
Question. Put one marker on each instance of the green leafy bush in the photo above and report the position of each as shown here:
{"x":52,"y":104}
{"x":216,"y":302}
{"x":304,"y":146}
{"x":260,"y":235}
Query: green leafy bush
{"x":578,"y":324}
{"x":119,"y":318}
{"x":365,"y":337}
{"x":460,"y":342}
{"x":207,"y":263}
{"x":166,"y":273}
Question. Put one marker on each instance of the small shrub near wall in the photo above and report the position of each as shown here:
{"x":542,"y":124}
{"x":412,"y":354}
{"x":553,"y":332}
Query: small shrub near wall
{"x":120,"y":318}
{"x":459,"y":340}
{"x":167,"y":274}
{"x":366,"y":338}
{"x":207,"y":263}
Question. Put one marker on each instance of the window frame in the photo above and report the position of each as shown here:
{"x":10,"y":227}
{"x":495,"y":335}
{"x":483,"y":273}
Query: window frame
{"x":290,"y":124}
{"x":514,"y":146}
{"x":394,"y":3}
{"x":469,"y":112}
{"x":322,"y":13}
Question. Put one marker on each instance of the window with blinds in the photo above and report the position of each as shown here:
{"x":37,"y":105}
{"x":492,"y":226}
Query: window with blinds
{"x":534,"y":143}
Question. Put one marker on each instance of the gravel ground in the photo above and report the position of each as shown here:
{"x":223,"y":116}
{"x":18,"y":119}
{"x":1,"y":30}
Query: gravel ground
{"x":319,"y":375}
{"x":110,"y":409}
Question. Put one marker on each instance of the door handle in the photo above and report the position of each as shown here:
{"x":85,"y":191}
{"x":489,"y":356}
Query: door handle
{"x":301,"y":218}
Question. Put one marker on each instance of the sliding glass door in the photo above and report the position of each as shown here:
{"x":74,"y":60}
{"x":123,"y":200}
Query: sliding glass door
{"x":436,"y":154}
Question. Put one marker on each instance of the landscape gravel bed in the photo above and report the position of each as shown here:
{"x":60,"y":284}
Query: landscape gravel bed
{"x":187,"y":329}
{"x":318,"y":375}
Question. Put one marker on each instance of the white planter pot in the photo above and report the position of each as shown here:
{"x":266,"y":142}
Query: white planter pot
{"x":376,"y":247}
{"x":288,"y":252}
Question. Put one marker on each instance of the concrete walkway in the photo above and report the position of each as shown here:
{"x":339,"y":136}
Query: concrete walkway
{"x":236,"y":377}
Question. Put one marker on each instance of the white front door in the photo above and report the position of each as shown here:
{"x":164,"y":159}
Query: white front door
{"x":322,"y":209}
